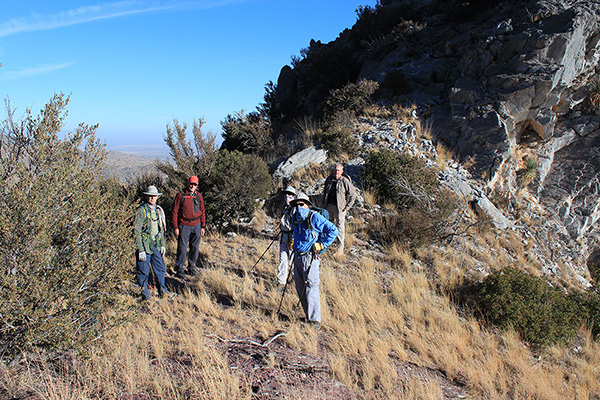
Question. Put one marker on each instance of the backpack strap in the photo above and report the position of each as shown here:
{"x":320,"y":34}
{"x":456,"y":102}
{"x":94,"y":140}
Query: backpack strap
{"x":197,"y":195}
{"x":308,"y":222}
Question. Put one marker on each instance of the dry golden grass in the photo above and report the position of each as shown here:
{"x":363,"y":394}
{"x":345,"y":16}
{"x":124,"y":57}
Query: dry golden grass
{"x":369,"y":197}
{"x":308,"y":129}
{"x":444,"y":155}
{"x":405,"y":114}
{"x":422,"y":129}
{"x":309,"y":175}
{"x":376,"y":111}
{"x":378,"y":314}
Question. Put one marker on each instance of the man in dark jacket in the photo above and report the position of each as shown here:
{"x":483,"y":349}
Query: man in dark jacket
{"x":339,"y":195}
{"x":189,"y":224}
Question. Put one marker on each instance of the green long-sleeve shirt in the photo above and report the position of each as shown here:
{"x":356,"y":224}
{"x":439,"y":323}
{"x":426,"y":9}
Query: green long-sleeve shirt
{"x":142,"y":227}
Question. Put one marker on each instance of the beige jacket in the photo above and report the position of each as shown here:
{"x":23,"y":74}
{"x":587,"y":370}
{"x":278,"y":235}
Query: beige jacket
{"x":345,"y":192}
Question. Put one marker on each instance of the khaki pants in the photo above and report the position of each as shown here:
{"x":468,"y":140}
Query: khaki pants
{"x":339,"y":219}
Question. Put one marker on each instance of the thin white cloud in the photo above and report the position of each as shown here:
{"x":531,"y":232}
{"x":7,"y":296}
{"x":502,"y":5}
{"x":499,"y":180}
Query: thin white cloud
{"x":33,"y":71}
{"x":81,"y":15}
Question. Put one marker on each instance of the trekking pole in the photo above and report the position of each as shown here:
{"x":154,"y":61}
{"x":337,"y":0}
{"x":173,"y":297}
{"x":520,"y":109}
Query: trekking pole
{"x":263,"y":254}
{"x":290,"y":277}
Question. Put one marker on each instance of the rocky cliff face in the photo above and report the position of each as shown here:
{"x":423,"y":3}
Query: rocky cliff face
{"x":507,"y":89}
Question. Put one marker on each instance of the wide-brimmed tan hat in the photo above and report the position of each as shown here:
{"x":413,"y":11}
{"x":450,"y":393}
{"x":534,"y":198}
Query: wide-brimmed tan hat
{"x":301,"y":197}
{"x":152,"y":191}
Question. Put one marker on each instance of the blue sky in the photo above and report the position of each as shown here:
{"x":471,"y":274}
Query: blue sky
{"x":133,"y":66}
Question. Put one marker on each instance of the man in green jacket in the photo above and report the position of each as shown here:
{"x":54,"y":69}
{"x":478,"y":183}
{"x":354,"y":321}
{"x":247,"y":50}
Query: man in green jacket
{"x":149,"y":232}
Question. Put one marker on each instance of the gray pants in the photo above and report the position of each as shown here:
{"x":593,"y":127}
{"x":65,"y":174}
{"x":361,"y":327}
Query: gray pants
{"x":286,"y":257}
{"x":306,"y":278}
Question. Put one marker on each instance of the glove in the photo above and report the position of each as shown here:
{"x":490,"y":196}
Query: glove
{"x":163,"y":250}
{"x":142,"y":256}
{"x":318,"y":248}
{"x":291,"y":243}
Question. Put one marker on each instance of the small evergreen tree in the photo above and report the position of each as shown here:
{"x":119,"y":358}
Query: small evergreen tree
{"x":541,"y":314}
{"x":230,"y":181}
{"x":248,"y":133}
{"x":236,"y":182}
{"x":64,"y":238}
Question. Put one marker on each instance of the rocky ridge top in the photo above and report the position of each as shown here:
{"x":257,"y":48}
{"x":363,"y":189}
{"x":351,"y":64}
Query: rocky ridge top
{"x":507,"y":90}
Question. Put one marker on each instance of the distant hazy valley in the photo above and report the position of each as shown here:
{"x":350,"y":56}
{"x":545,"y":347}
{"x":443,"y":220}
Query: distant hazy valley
{"x":127,"y":161}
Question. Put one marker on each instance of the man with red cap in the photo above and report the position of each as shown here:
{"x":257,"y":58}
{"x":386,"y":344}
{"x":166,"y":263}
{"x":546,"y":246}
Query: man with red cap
{"x":189,"y":224}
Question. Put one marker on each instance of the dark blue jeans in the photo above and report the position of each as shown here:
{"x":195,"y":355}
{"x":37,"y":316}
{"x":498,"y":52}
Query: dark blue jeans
{"x":143,"y":272}
{"x":191,"y":235}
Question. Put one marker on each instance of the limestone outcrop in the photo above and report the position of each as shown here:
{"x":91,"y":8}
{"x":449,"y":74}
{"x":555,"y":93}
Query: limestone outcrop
{"x":507,"y":89}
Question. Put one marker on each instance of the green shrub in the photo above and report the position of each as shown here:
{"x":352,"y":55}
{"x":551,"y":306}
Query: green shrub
{"x":529,"y":173}
{"x":234,"y":184}
{"x":468,"y":10}
{"x":394,"y":84}
{"x":65,"y":242}
{"x":338,"y":137}
{"x":400,"y":178}
{"x":247,"y":133}
{"x":589,"y":301}
{"x":424,"y":208}
{"x":591,"y":104}
{"x":352,"y":98}
{"x":417,"y":226}
{"x":340,"y":112}
{"x":540,"y":314}
{"x":593,"y":265}
{"x":230,"y":181}
{"x":187,"y":159}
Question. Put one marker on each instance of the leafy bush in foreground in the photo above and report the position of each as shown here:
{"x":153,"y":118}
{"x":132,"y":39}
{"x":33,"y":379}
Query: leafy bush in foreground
{"x":540,"y":314}
{"x":64,"y":238}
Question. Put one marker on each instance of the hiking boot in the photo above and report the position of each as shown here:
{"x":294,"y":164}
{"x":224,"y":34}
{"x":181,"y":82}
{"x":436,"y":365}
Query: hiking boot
{"x":181,"y":275}
{"x":315,"y":324}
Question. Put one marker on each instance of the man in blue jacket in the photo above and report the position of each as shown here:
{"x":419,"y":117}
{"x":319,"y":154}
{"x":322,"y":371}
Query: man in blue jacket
{"x":313,"y":233}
